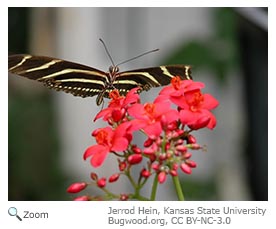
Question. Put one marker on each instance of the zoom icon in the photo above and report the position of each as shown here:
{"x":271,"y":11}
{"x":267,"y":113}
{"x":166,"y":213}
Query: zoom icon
{"x":13,"y":212}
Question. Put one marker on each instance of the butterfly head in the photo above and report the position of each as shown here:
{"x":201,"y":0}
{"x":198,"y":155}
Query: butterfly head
{"x":113,"y":70}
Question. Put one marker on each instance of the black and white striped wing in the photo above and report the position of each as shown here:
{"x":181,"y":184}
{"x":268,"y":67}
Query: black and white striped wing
{"x":77,"y":79}
{"x":150,"y":77}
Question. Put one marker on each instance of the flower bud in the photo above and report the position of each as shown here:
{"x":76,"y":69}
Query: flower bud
{"x":149,"y":151}
{"x":114,"y":177}
{"x":136,"y":149}
{"x":175,"y":166}
{"x":179,"y":142}
{"x":181,"y":148}
{"x":191,"y":139}
{"x":173,"y":173}
{"x":152,"y":157}
{"x":76,"y":187}
{"x":167,"y":146}
{"x":195,"y":146}
{"x":81,"y":198}
{"x":101,"y":182}
{"x":122,"y":165}
{"x":94,"y":176}
{"x":134,"y":159}
{"x":186,"y":168}
{"x":162,"y":177}
{"x":162,"y":156}
{"x":148,"y":142}
{"x":145,"y":173}
{"x":187,"y":155}
{"x":191,"y":163}
{"x":155,"y":166}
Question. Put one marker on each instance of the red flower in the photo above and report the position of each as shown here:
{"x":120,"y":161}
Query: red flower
{"x":196,"y":109}
{"x":118,"y":105}
{"x":108,"y":140}
{"x":151,"y":116}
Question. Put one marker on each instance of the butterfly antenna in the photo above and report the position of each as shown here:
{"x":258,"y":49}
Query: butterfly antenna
{"x":107,"y":52}
{"x":145,"y":53}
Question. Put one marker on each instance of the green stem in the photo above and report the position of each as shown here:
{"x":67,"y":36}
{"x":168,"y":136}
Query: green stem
{"x":178,"y":188}
{"x":154,"y":188}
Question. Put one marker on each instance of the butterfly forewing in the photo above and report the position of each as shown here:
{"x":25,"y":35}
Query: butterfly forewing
{"x":81,"y":80}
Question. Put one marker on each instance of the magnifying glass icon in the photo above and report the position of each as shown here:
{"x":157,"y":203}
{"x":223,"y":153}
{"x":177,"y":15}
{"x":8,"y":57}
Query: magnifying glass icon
{"x":13,"y":212}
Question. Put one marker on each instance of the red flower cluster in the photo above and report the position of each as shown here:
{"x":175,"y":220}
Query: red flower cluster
{"x":167,"y":123}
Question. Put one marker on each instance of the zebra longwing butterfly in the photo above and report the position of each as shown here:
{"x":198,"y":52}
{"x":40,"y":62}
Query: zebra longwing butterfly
{"x":84,"y":81}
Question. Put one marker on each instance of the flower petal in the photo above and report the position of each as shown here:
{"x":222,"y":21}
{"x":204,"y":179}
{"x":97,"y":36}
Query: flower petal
{"x":209,"y":102}
{"x":99,"y":157}
{"x":119,"y":144}
{"x":154,"y":129}
{"x":137,"y":111}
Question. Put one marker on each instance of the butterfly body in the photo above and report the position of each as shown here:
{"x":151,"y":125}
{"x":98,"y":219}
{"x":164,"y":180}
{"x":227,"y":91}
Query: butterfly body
{"x":85,"y":81}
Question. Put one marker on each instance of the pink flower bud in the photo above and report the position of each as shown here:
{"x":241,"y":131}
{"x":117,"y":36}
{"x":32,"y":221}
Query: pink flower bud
{"x":152,"y":157}
{"x":167,"y":146}
{"x":114,"y":177}
{"x":134,"y":159}
{"x":187,"y":155}
{"x":186,"y":168}
{"x":148,"y":142}
{"x":191,"y":139}
{"x":162,"y":157}
{"x":196,"y":146}
{"x":179,"y":142}
{"x":178,"y":133}
{"x":181,"y":148}
{"x":136,"y":149}
{"x":81,"y":198}
{"x":76,"y":187}
{"x":149,"y":151}
{"x":175,"y":166}
{"x":101,"y":182}
{"x":191,"y":163}
{"x":162,"y":177}
{"x":155,"y":166}
{"x":173,"y":173}
{"x":145,"y":173}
